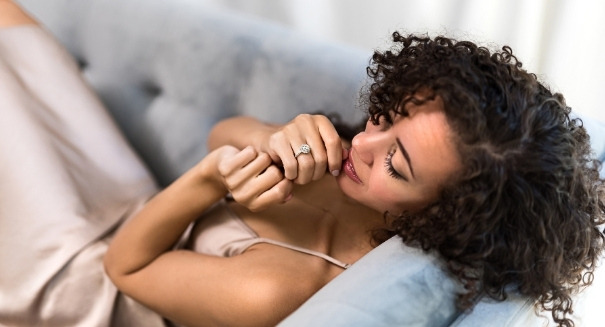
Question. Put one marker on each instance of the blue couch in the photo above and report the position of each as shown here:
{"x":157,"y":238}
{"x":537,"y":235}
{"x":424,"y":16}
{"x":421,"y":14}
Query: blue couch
{"x":168,"y":70}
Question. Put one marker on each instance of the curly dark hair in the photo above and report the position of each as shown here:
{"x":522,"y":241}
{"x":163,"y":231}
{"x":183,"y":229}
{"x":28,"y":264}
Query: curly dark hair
{"x":524,"y":213}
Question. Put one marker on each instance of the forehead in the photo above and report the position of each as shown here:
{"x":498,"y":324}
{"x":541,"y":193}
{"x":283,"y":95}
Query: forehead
{"x":429,"y":140}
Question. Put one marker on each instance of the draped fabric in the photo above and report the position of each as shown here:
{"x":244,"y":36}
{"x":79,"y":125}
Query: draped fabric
{"x":67,"y":180}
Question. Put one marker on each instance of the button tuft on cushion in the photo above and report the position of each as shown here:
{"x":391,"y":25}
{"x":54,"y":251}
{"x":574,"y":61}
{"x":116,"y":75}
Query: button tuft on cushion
{"x":82,"y":64}
{"x":152,"y":89}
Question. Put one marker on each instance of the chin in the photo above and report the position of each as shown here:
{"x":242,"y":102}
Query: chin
{"x":347,"y":186}
{"x":355,"y":193}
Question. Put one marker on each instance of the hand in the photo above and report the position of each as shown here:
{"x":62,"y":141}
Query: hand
{"x":326,"y":148}
{"x":253,"y":180}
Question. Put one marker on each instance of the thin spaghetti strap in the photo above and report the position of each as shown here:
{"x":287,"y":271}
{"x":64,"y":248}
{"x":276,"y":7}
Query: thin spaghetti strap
{"x":257,"y":239}
{"x":304,"y":250}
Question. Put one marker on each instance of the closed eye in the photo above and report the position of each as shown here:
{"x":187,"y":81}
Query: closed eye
{"x":388,"y":164}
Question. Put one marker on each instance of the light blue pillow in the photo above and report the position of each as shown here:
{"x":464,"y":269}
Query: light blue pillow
{"x":393,"y":285}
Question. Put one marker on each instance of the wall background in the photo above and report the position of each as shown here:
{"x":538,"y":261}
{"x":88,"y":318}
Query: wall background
{"x":559,"y":40}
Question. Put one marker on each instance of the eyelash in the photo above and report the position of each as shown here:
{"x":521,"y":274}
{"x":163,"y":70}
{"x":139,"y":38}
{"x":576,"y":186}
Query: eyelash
{"x":389,"y":165}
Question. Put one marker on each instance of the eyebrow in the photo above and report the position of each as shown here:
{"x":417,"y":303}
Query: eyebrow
{"x":405,"y":155}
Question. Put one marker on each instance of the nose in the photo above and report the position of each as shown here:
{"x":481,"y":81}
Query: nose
{"x":369,"y":144}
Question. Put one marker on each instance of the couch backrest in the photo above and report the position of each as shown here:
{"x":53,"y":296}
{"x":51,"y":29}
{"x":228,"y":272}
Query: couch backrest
{"x":169,"y":70}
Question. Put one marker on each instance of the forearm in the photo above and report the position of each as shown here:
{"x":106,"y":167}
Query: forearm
{"x":160,"y":224}
{"x":240,"y":132}
{"x":12,"y":15}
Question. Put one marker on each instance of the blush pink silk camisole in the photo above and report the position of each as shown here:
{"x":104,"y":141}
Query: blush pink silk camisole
{"x":222,"y":233}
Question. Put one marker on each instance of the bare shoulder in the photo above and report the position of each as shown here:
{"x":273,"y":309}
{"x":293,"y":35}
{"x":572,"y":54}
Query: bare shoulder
{"x":12,"y":15}
{"x":277,"y":282}
{"x":288,"y":278}
{"x":257,"y":288}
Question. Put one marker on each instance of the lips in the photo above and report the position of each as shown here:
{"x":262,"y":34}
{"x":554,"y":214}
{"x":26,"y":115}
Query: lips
{"x":349,"y":169}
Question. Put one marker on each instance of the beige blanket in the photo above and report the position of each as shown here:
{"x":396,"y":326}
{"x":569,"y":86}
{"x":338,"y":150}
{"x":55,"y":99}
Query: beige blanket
{"x":67,"y":179}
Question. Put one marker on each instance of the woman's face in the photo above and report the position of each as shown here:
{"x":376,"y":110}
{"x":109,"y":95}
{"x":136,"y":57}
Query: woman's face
{"x":404,"y":165}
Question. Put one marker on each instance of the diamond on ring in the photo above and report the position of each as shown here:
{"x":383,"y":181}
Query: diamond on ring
{"x":304,"y":149}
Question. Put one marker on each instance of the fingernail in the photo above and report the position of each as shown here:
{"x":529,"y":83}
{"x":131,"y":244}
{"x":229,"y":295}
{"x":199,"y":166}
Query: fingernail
{"x":288,"y":198}
{"x":335,"y":172}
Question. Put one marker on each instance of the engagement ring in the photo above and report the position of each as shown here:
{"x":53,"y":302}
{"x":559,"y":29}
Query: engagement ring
{"x":304,"y":149}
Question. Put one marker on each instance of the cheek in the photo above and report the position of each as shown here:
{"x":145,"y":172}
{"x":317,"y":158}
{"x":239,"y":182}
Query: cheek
{"x":388,"y":197}
{"x":396,"y":197}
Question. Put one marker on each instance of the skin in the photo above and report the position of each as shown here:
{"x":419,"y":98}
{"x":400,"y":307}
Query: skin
{"x":313,"y":203}
{"x":266,"y":283}
{"x":331,"y":214}
{"x":11,"y":15}
{"x":431,"y":160}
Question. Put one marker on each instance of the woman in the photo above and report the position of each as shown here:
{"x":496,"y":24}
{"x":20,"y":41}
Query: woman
{"x":463,"y":153}
{"x":331,"y":216}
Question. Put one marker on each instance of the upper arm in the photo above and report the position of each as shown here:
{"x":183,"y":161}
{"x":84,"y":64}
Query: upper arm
{"x":200,"y":290}
{"x":239,"y":131}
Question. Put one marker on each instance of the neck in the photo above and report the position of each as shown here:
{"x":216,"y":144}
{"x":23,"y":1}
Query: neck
{"x":347,"y":215}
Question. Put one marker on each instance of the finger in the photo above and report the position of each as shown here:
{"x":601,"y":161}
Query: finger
{"x":250,"y":191}
{"x":312,"y":165}
{"x":283,"y":148}
{"x":304,"y":132}
{"x":278,"y":193}
{"x":345,"y":153}
{"x":254,"y":179}
{"x":306,"y":169}
{"x":251,"y":170}
{"x":230,"y":164}
{"x":333,"y":145}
